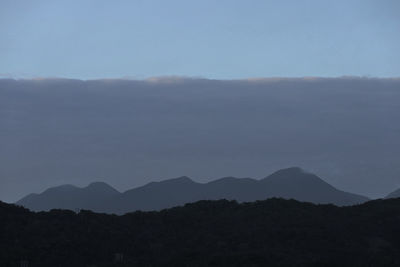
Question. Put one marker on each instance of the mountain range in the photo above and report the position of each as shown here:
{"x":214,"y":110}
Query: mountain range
{"x":290,"y":183}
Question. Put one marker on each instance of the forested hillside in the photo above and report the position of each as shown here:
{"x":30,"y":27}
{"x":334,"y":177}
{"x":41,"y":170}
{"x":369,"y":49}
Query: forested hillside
{"x":273,"y":232}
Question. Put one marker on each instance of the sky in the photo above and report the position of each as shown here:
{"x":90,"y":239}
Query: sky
{"x":212,"y":39}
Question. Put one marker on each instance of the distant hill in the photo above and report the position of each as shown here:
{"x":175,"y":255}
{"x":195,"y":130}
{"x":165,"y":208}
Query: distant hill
{"x":290,"y":183}
{"x":96,"y":197}
{"x":394,"y":194}
{"x":272,"y":232}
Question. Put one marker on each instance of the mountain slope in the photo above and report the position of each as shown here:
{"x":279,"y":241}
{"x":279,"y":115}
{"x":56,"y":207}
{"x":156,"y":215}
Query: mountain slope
{"x":394,"y":194}
{"x":287,"y":183}
{"x":157,"y":195}
{"x":297,"y":184}
{"x":96,"y":196}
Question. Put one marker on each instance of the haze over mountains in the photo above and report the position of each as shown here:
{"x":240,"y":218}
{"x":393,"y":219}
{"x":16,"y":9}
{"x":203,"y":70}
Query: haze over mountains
{"x":128,"y":133}
{"x":291,"y":183}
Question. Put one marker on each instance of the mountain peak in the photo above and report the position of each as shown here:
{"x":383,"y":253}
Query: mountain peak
{"x":101,"y":186}
{"x":290,"y":171}
{"x":297,"y":177}
{"x":98,"y":185}
{"x":180,"y":179}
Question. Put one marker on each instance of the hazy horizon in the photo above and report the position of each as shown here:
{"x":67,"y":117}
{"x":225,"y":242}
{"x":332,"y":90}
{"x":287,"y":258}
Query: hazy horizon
{"x":128,"y":133}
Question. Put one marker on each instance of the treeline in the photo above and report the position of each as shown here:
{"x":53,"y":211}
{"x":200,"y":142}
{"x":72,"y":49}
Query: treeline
{"x":273,"y":232}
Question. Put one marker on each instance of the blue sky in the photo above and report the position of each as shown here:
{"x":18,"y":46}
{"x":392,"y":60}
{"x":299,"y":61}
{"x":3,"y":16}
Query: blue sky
{"x":212,"y":39}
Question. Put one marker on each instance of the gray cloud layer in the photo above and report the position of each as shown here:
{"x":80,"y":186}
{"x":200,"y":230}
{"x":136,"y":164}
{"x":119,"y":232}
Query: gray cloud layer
{"x":127,"y":133}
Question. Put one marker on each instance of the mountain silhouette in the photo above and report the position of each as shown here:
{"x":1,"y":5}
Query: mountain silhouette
{"x":290,"y":183}
{"x":394,"y":194}
{"x":96,"y":197}
{"x":303,"y":186}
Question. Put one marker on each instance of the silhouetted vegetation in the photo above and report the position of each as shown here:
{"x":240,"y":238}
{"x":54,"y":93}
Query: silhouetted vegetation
{"x":273,"y":232}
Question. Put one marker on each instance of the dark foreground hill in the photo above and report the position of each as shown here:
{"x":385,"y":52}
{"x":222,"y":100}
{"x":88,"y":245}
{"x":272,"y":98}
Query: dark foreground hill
{"x":290,"y":183}
{"x":273,"y":232}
